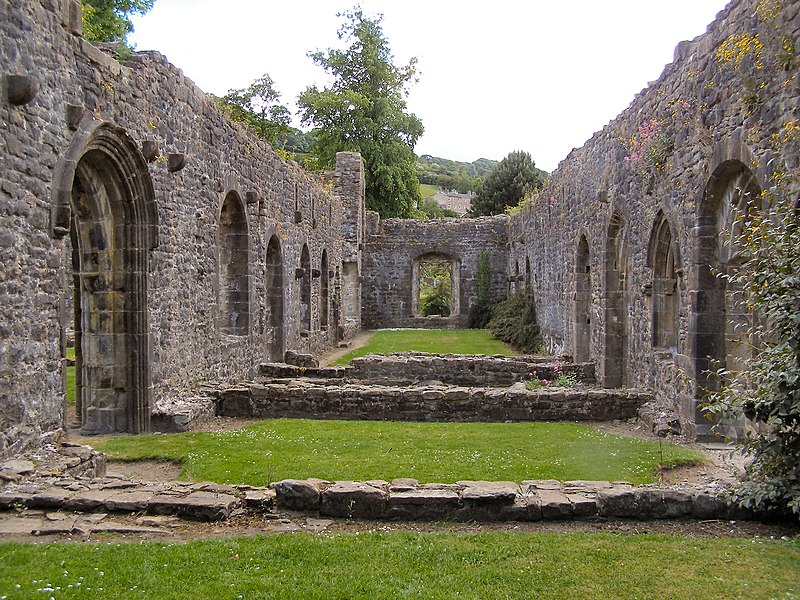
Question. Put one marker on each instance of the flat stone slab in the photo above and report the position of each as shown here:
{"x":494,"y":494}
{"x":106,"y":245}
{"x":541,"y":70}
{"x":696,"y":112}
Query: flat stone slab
{"x":295,"y":494}
{"x":202,"y":506}
{"x":422,"y":504}
{"x":18,"y":466}
{"x":353,"y":499}
{"x":554,"y":504}
{"x":19,"y":526}
{"x":489,"y":491}
{"x":129,"y":500}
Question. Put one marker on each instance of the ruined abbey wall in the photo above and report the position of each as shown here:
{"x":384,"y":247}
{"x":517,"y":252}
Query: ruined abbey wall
{"x":396,"y":247}
{"x":627,"y":236}
{"x":197,"y":252}
{"x":177,"y":249}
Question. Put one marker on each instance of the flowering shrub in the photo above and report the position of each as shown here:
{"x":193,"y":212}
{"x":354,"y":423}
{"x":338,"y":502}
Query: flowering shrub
{"x":560,"y":378}
{"x":648,"y":148}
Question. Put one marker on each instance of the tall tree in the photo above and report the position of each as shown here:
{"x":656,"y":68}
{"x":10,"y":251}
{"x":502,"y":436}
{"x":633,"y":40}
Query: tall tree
{"x":510,"y":181}
{"x":108,"y":20}
{"x":364,"y":110}
{"x":258,"y":107}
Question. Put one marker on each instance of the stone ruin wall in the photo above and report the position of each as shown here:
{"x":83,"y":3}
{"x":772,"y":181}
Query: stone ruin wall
{"x":720,"y":149}
{"x":394,"y":245}
{"x":150,"y":119}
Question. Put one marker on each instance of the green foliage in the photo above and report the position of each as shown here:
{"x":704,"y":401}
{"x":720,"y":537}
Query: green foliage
{"x":515,"y":177}
{"x":435,"y":341}
{"x":381,"y":563}
{"x":258,"y":108}
{"x":276,"y":449}
{"x":452,"y":174}
{"x":364,"y":110}
{"x":429,"y":209}
{"x":768,"y":391}
{"x":480,"y":312}
{"x":514,"y":322}
{"x":435,"y":290}
{"x":108,"y":20}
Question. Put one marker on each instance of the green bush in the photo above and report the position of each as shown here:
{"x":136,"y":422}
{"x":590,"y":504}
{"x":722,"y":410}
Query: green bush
{"x":514,"y":322}
{"x":768,"y":391}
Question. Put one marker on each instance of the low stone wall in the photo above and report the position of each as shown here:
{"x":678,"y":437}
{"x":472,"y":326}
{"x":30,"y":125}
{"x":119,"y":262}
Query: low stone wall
{"x":402,"y":499}
{"x":304,"y":398}
{"x":535,"y":500}
{"x":450,"y":369}
{"x":471,"y":370}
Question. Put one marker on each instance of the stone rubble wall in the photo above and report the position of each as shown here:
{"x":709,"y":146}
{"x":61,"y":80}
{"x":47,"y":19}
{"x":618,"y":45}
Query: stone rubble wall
{"x":392,"y":246}
{"x":314,"y":399}
{"x":153,"y":105}
{"x":450,"y":369}
{"x":468,"y":370}
{"x":401,"y":499}
{"x":701,"y":103}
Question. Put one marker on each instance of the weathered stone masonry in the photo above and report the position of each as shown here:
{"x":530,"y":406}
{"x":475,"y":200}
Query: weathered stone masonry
{"x":394,"y":249}
{"x":197,"y":252}
{"x":623,"y":253}
{"x":181,"y":250}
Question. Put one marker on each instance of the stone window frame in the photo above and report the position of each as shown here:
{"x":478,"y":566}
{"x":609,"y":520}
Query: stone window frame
{"x":275,"y":301}
{"x":324,"y":291}
{"x":455,"y":280}
{"x":582,"y":300}
{"x":664,"y":261}
{"x":304,"y":297}
{"x":616,"y":289}
{"x":233,"y":266}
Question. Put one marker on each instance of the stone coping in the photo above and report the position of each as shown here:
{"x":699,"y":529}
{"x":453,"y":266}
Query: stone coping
{"x":400,"y":499}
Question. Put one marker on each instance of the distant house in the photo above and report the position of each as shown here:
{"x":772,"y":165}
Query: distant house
{"x":458,"y":203}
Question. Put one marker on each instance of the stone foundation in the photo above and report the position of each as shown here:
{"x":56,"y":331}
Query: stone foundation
{"x":402,"y":499}
{"x":306,"y":398}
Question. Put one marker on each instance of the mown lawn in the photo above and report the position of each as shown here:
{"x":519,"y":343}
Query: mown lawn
{"x":277,"y":449}
{"x":71,"y":378}
{"x":408,"y":565}
{"x":435,"y":341}
{"x":427,"y":190}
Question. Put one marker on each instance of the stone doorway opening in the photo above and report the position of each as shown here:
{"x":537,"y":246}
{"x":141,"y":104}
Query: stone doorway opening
{"x":107,"y":208}
{"x":435,"y":286}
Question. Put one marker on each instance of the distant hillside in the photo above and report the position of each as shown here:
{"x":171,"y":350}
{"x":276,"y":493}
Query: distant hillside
{"x":453,"y":174}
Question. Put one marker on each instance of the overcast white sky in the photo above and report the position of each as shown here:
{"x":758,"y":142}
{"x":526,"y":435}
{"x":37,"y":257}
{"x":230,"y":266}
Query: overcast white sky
{"x":535,"y":75}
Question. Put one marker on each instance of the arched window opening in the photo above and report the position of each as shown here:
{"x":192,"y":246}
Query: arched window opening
{"x":665,"y":293}
{"x":305,"y":291}
{"x":617,"y":277}
{"x":324,"y":291}
{"x":583,"y":301}
{"x":527,"y":271}
{"x":273,"y":318}
{"x":234,"y":281}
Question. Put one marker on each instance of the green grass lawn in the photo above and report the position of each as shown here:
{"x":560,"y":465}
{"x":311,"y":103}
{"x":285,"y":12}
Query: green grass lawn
{"x":427,"y":190}
{"x":408,"y":565}
{"x":71,"y":378}
{"x":435,"y":341}
{"x":277,"y":449}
